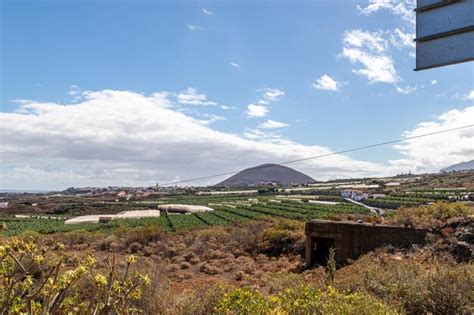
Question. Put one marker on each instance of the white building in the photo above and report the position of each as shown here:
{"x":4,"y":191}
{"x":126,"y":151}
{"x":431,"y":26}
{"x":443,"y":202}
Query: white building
{"x":354,"y":195}
{"x":3,"y":205}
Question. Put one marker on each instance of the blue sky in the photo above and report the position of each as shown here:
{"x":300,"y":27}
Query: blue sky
{"x":211,"y":60}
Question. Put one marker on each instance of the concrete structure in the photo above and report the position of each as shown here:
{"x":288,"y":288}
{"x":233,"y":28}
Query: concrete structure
{"x":351,"y":239}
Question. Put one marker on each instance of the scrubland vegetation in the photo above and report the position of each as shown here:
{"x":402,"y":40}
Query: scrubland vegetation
{"x":433,"y":215}
{"x":245,"y":257}
{"x":251,"y":267}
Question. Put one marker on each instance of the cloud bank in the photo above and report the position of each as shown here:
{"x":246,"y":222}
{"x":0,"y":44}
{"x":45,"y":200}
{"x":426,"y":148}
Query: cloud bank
{"x":125,"y":138}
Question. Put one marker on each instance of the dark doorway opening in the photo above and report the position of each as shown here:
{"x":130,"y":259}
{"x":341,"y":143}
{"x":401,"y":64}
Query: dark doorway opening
{"x":320,"y":252}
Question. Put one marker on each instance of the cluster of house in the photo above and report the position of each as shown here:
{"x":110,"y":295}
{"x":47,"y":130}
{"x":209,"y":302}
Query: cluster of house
{"x":120,"y":192}
{"x":354,"y":195}
{"x":359,"y":195}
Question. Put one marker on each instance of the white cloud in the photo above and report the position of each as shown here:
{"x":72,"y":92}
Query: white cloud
{"x":401,"y":39}
{"x":74,"y":90}
{"x":234,"y":64}
{"x":256,"y":110}
{"x":377,"y":68}
{"x":267,"y":135}
{"x":126,"y":138}
{"x":434,"y":82}
{"x":469,"y":96}
{"x":270,"y":95}
{"x":327,"y":83}
{"x":370,"y":50}
{"x":193,"y":28}
{"x":190,"y":96}
{"x":226,"y":107}
{"x":210,"y":118}
{"x":406,"y":90}
{"x":207,"y":12}
{"x":373,"y":41}
{"x":272,"y":124}
{"x":402,"y":8}
{"x":260,"y":109}
{"x":373,"y":49}
{"x":430,"y":154}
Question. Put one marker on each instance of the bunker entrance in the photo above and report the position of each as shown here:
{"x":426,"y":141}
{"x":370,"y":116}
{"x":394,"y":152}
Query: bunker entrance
{"x":320,"y":252}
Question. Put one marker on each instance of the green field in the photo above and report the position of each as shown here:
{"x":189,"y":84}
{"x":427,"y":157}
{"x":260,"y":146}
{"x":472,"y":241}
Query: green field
{"x":229,"y":210}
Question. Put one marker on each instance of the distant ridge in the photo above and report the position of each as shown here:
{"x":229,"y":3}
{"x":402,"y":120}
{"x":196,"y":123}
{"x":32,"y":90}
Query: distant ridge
{"x":267,"y":173}
{"x":464,"y":166}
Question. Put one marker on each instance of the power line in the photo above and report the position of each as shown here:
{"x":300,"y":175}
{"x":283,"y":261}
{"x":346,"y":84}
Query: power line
{"x":328,"y":154}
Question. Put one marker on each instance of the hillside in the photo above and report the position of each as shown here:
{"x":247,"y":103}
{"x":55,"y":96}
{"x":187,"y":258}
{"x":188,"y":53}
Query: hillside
{"x":464,"y":166}
{"x":267,"y":173}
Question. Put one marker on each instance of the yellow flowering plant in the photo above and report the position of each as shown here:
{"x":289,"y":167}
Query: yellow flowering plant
{"x":31,"y":283}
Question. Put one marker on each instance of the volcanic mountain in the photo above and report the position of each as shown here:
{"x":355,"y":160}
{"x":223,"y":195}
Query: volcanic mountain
{"x":464,"y":166}
{"x":267,"y":173}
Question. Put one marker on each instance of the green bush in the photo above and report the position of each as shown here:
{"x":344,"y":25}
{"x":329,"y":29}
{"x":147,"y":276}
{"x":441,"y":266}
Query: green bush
{"x":416,"y":285}
{"x":301,"y":300}
{"x":283,"y":236}
{"x":243,"y":301}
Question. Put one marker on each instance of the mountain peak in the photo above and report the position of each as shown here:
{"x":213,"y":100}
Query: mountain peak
{"x":463,"y":166}
{"x":267,"y":173}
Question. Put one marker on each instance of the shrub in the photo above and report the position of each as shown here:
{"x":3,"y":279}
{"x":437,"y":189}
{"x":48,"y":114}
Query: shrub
{"x":274,"y":282}
{"x":185,"y":265}
{"x":209,"y":269}
{"x":79,"y":237}
{"x":243,"y":301}
{"x":280,"y":237}
{"x":416,"y":285}
{"x":301,"y":300}
{"x":33,"y":283}
{"x":201,"y":300}
{"x":142,"y":234}
{"x":431,"y":215}
{"x":134,"y":247}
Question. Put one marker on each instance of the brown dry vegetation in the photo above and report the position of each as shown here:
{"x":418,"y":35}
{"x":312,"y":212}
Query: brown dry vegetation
{"x":431,"y":216}
{"x":259,"y":266}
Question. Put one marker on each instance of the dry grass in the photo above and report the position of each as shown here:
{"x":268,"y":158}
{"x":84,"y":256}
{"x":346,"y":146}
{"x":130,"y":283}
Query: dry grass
{"x":417,"y":283}
{"x":192,"y":271}
{"x":431,"y":215}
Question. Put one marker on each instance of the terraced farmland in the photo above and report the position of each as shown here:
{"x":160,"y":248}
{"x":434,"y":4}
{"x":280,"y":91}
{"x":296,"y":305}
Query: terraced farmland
{"x":228,"y":210}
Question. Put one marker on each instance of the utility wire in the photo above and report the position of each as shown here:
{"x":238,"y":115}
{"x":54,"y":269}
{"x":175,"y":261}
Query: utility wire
{"x":328,"y":154}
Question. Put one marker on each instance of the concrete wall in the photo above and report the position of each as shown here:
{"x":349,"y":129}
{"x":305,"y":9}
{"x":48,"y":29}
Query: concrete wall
{"x":353,"y":239}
